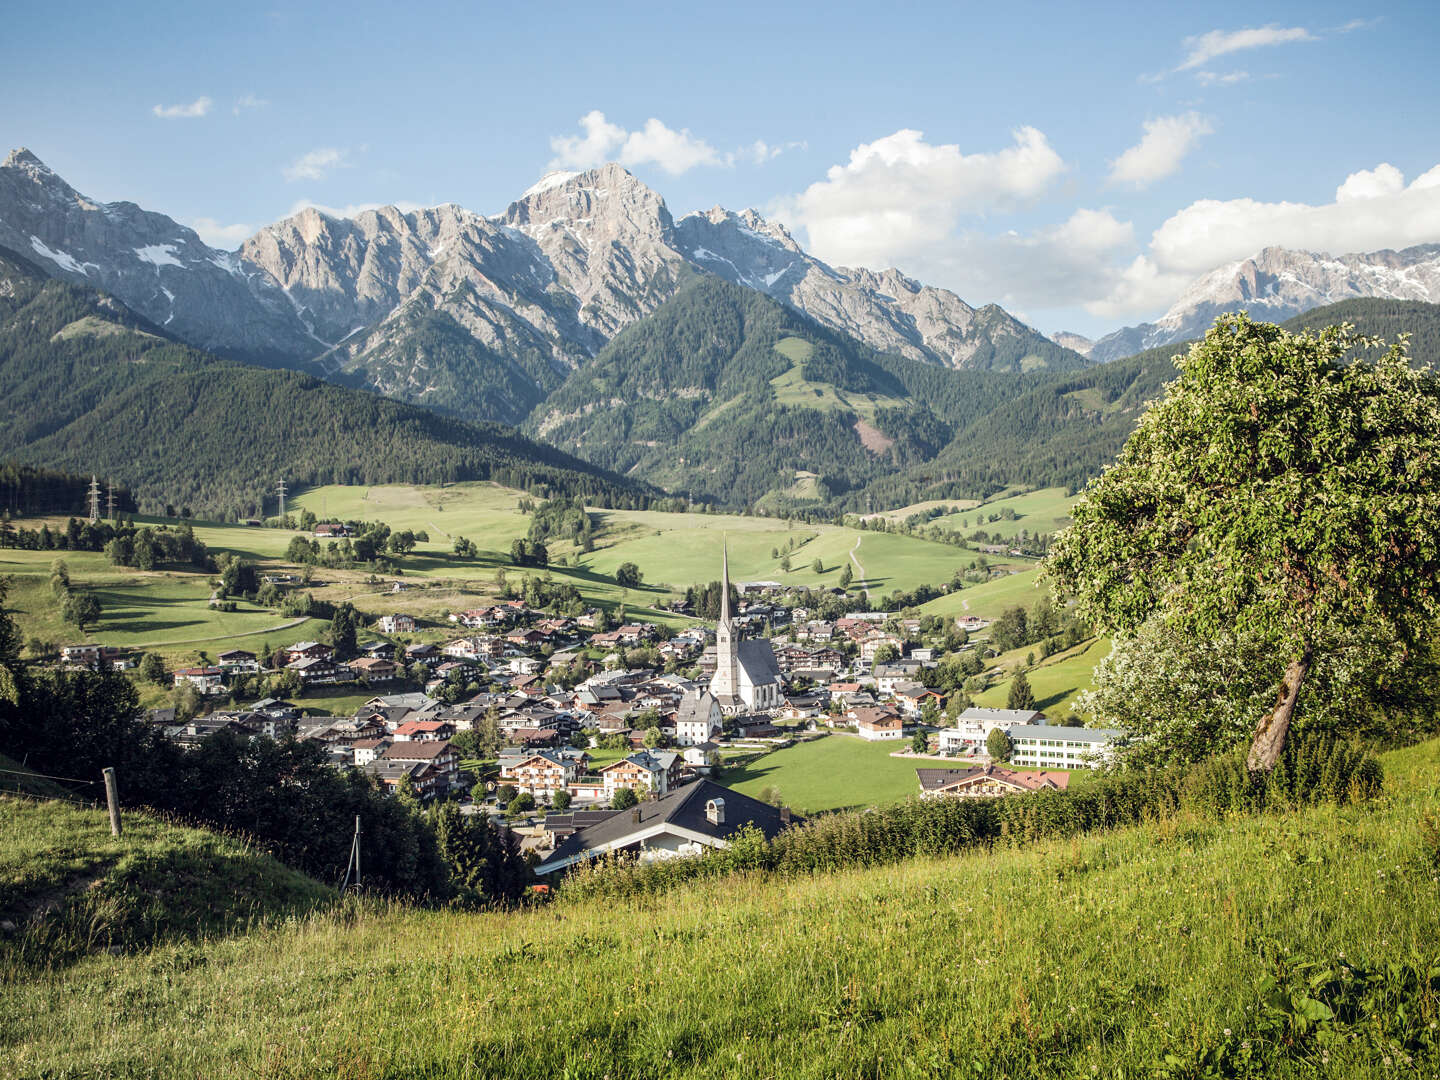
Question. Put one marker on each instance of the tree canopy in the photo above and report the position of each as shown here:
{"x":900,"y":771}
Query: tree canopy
{"x":1284,"y":486}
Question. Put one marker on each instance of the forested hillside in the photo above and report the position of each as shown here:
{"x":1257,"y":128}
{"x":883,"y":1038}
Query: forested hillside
{"x":87,"y":386}
{"x":727,"y":394}
{"x":1064,"y":430}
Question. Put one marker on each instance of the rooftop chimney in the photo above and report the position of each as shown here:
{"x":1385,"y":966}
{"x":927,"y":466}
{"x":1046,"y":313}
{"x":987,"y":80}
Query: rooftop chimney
{"x":715,"y":811}
{"x":784,"y":815}
{"x":635,"y":815}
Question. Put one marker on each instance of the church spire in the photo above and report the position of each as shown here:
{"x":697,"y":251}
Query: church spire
{"x":724,"y":581}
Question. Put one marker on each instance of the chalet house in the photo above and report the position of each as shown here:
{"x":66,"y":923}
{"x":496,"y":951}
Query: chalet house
{"x":874,"y":641}
{"x":374,"y":669}
{"x":693,"y":819}
{"x":396,"y":624}
{"x":531,"y":737}
{"x":238,"y":662}
{"x":428,"y":780}
{"x":437,"y":754}
{"x":92,"y":657}
{"x":190,"y":735}
{"x":890,"y":676}
{"x":424,"y":653}
{"x":986,"y":782}
{"x":543,"y":772}
{"x":911,"y":697}
{"x":367,"y":750}
{"x":330,"y":530}
{"x":316,"y":672}
{"x":971,"y":623}
{"x":465,"y":648}
{"x":875,"y":724}
{"x":207,"y":680}
{"x":302,"y":650}
{"x":646,"y":772}
{"x":424,"y":730}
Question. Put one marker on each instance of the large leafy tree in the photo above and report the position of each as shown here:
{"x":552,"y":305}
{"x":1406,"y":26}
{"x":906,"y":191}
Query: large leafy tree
{"x":1285,"y":486}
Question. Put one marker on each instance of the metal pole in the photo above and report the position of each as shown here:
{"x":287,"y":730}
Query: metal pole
{"x":112,"y":796}
{"x":357,"y":852}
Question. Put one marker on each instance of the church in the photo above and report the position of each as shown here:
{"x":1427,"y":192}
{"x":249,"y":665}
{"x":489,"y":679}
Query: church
{"x":747,"y":678}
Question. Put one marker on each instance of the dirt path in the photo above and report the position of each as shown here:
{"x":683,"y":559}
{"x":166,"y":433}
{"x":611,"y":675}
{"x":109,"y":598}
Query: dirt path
{"x":860,"y":570}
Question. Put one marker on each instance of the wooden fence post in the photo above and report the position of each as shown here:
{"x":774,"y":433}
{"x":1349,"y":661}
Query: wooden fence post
{"x":112,"y":796}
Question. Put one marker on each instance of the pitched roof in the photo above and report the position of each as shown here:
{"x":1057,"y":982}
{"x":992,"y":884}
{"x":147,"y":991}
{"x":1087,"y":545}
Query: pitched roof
{"x":940,"y":779}
{"x":684,"y":808}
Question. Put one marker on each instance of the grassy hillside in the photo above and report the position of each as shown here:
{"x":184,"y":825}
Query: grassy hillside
{"x":71,"y":888}
{"x":1282,"y":945}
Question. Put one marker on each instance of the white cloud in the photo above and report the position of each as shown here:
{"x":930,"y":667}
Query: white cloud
{"x":248,"y":101}
{"x":1158,"y":154}
{"x":594,"y":147}
{"x":1373,"y":209}
{"x":674,"y":151}
{"x":316,"y":164}
{"x":1228,"y":78}
{"x":1206,"y":47}
{"x":197,"y":108}
{"x":225,"y":237}
{"x":900,"y":197}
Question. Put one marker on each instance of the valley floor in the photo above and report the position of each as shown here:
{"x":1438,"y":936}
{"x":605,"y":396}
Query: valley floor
{"x":1303,"y":944}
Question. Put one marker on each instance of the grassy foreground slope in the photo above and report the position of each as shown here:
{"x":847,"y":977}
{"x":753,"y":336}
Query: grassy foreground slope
{"x":69,"y":887}
{"x":1278,"y":945}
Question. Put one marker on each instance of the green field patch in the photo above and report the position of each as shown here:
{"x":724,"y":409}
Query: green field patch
{"x":792,"y":388}
{"x":829,"y":773}
{"x":1056,"y":681}
{"x":1044,"y":511}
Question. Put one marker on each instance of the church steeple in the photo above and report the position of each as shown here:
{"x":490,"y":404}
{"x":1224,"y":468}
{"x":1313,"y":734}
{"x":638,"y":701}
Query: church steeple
{"x":726,"y":683}
{"x":725,"y":582}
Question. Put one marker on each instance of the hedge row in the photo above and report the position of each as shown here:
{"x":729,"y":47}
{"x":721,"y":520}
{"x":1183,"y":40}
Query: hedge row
{"x":1306,"y":775}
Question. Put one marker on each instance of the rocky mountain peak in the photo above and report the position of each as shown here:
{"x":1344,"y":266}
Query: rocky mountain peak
{"x":610,"y":194}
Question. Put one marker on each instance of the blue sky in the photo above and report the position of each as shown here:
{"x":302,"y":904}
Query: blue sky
{"x":1077,"y":163}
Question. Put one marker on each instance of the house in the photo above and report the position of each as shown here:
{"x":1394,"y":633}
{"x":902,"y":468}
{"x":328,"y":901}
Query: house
{"x":543,"y":772}
{"x":426,"y":778}
{"x":437,"y":754}
{"x":367,"y":750}
{"x":317,"y":672}
{"x":423,"y":730}
{"x":374,"y":669}
{"x":701,"y":758}
{"x":698,"y":718}
{"x":207,"y":680}
{"x":986,"y":782}
{"x":301,"y":650}
{"x":424,"y":653}
{"x":912,"y":696}
{"x":238,"y":662}
{"x":878,"y":723}
{"x":93,"y":657}
{"x":396,"y":624}
{"x":876,"y":640}
{"x":644,"y":772}
{"x":329,"y":530}
{"x":695,"y":818}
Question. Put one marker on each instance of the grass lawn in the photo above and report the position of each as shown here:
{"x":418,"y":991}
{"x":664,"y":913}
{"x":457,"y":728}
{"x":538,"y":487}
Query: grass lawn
{"x":1056,"y":680}
{"x":990,"y":599}
{"x":826,"y":774}
{"x":1043,"y":511}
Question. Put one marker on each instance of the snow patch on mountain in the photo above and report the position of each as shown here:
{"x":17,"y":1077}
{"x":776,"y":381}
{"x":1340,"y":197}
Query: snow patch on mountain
{"x":62,"y":259}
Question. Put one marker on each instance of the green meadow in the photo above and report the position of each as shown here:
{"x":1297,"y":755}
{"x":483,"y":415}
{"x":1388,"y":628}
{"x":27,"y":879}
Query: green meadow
{"x":1282,"y":944}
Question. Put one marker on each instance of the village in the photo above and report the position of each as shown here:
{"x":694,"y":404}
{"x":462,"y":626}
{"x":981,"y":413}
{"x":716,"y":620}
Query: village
{"x":587,"y":740}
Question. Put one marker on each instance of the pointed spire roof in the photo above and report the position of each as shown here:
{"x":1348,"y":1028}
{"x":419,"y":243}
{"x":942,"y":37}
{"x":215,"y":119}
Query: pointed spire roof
{"x":724,"y":580}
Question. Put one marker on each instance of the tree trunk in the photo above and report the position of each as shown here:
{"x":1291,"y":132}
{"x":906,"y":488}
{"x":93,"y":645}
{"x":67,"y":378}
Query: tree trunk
{"x":1273,"y":728}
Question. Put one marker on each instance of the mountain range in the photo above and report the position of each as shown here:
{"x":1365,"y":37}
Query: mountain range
{"x":478,"y":316}
{"x":1277,"y":284}
{"x":710,"y":356}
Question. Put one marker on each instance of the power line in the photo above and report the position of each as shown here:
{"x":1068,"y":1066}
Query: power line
{"x":94,"y":499}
